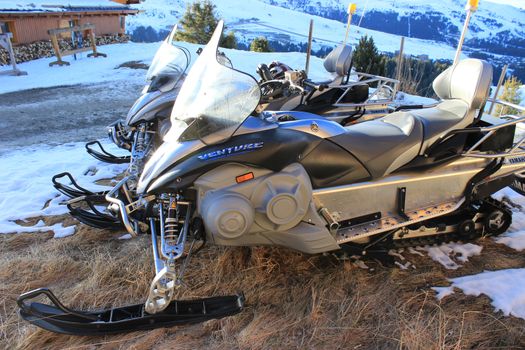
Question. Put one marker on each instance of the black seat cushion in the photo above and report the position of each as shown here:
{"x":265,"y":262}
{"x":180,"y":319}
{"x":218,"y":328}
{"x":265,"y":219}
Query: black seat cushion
{"x":385,"y":144}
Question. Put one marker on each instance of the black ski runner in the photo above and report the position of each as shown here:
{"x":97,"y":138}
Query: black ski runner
{"x":60,"y":319}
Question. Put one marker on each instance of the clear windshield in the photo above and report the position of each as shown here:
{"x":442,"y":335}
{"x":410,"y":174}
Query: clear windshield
{"x":214,"y":98}
{"x":168,"y":65}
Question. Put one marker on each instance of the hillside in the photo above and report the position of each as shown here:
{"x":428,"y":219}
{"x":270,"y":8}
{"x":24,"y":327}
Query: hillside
{"x":496,"y":33}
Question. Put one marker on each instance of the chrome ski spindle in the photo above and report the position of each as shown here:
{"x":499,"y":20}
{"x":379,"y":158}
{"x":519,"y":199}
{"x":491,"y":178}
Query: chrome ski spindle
{"x":172,"y":242}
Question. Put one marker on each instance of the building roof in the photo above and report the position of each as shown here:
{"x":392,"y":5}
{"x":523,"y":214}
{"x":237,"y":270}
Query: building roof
{"x":48,"y":6}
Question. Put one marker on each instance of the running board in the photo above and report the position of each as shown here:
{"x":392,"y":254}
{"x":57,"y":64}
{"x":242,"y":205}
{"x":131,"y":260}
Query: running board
{"x":60,"y":319}
{"x":394,"y":222}
{"x":104,"y":155}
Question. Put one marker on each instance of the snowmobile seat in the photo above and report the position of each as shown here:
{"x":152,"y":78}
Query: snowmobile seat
{"x":339,"y":60}
{"x":386,"y":144}
{"x":383,"y":145}
{"x":463,"y":90}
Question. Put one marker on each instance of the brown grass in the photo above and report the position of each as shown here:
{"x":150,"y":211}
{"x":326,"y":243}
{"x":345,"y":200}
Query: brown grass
{"x":293,"y":300}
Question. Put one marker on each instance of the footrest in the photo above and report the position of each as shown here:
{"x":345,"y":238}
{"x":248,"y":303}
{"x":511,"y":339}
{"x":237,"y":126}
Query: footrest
{"x":390,"y":223}
{"x":60,"y":319}
{"x":104,"y":155}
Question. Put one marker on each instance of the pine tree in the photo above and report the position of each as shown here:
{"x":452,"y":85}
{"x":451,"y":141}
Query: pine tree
{"x":260,"y":44}
{"x":229,"y":41}
{"x":198,"y":23}
{"x":510,"y":94}
{"x":366,"y":57}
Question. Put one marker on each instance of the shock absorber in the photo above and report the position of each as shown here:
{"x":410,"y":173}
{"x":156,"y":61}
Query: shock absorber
{"x":171,"y":224}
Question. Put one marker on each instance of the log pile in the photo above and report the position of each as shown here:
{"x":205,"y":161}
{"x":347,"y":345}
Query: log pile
{"x":40,"y":49}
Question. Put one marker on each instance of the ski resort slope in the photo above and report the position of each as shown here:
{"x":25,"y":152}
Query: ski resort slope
{"x":253,"y":18}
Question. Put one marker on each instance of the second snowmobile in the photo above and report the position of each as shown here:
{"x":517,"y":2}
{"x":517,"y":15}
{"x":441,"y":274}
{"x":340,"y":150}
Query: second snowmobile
{"x":230,"y":176}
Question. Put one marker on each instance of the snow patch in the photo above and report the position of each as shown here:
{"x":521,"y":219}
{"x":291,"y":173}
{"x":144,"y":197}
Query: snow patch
{"x":506,"y":289}
{"x":26,"y":190}
{"x":451,"y":254}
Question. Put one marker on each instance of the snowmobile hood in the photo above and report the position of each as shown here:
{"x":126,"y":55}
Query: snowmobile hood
{"x":167,"y":155}
{"x":148,"y":104}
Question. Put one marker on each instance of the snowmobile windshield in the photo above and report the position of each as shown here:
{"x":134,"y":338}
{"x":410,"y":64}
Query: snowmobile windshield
{"x":168,"y":65}
{"x":214,"y":99}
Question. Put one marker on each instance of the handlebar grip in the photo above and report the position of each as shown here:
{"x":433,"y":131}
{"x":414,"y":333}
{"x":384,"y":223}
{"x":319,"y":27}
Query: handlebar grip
{"x":319,"y":87}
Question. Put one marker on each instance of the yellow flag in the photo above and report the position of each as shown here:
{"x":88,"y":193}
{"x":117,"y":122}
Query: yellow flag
{"x":352,"y":8}
{"x":473,"y":3}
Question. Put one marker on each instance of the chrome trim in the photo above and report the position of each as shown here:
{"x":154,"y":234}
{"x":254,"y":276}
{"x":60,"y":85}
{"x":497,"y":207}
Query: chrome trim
{"x":122,"y":207}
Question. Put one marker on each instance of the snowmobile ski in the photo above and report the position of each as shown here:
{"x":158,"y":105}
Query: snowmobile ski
{"x":55,"y":317}
{"x":104,"y":155}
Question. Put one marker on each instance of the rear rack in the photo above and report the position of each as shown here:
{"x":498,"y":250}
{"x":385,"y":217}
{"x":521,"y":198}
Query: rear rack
{"x":517,"y":149}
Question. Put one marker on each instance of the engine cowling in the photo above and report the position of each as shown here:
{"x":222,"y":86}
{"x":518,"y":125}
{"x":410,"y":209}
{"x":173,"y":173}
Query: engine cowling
{"x":269,"y":202}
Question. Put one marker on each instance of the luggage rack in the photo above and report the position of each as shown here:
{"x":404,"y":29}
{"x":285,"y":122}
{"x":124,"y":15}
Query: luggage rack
{"x":383,"y":83}
{"x":517,"y":149}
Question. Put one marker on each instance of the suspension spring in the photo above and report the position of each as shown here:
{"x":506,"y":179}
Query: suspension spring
{"x":171,"y":224}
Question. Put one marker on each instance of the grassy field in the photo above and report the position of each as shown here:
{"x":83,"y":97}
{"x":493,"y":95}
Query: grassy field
{"x":293,"y":300}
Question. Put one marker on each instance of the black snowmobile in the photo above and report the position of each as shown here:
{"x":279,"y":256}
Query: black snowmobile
{"x":345,"y":99}
{"x":228,"y":175}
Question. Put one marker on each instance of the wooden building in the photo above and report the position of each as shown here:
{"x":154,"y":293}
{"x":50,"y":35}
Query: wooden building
{"x":30,"y":22}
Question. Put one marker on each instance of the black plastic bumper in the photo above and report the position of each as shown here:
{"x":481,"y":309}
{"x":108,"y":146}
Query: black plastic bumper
{"x":104,"y":155}
{"x":74,"y":190}
{"x":92,"y":216}
{"x":60,"y":319}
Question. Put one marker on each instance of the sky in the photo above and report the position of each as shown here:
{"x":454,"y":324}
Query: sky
{"x":517,"y":3}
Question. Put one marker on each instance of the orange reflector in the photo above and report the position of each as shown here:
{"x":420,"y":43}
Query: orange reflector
{"x":244,"y":177}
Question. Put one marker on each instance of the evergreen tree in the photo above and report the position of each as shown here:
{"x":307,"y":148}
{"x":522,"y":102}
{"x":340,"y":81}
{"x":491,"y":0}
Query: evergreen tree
{"x":366,"y":58}
{"x":229,"y":41}
{"x":260,"y":44}
{"x":198,"y":23}
{"x":510,"y":94}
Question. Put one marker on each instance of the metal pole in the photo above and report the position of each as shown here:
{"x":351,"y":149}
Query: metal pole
{"x":351,"y":10}
{"x":309,"y":47}
{"x":472,"y":6}
{"x":400,"y":59}
{"x":500,"y":82}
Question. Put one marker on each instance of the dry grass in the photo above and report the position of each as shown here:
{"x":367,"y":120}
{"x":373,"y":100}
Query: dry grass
{"x":293,"y":300}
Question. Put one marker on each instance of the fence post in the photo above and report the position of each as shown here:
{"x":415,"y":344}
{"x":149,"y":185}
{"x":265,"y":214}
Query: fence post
{"x":500,"y":82}
{"x":400,"y":59}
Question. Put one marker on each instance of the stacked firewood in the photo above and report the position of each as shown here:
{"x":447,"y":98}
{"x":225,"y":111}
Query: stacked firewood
{"x":40,"y":49}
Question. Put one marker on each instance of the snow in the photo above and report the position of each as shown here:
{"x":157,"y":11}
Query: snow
{"x":253,"y":18}
{"x":96,"y":70}
{"x":56,"y":5}
{"x":26,"y":190}
{"x":515,"y":235}
{"x":450,"y":255}
{"x":505,"y":288}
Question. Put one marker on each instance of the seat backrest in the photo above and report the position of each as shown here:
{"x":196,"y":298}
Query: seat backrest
{"x":469,"y":81}
{"x":339,"y":60}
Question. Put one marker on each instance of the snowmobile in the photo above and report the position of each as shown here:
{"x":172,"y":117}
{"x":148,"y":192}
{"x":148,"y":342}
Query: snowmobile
{"x":146,"y":124}
{"x":235,"y":177}
{"x":344,"y":99}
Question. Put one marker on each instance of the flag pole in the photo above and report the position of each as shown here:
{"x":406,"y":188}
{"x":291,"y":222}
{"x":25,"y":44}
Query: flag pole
{"x":471,"y":7}
{"x":351,"y":11}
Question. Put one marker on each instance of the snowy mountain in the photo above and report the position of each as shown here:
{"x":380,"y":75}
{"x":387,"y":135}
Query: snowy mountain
{"x":497,"y":28}
{"x":497,"y":31}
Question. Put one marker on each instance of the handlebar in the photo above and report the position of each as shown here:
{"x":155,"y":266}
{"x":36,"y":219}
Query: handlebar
{"x":319,"y":87}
